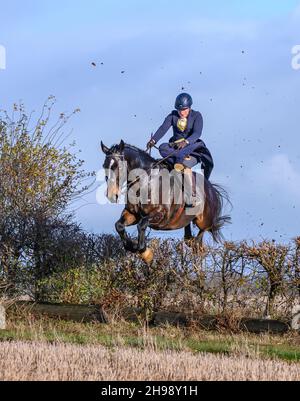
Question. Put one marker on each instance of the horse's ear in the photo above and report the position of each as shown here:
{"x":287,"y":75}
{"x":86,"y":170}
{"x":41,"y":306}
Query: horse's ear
{"x":122,"y":146}
{"x":104,"y":148}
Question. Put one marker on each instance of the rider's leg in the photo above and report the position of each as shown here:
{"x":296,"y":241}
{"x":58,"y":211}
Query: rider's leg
{"x":165,"y":150}
{"x":194,"y":195}
{"x":188,"y":183}
{"x":186,"y":151}
{"x":185,"y":168}
{"x":188,"y":187}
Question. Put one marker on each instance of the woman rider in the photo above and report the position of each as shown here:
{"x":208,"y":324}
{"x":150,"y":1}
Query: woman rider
{"x":187,"y":129}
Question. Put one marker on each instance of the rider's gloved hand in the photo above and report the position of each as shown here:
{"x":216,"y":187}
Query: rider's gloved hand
{"x":181,"y":145}
{"x":150,"y":144}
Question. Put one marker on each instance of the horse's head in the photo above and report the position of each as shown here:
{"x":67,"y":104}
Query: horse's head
{"x":112,"y":166}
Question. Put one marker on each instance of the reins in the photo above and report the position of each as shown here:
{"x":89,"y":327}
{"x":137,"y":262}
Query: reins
{"x":157,"y":164}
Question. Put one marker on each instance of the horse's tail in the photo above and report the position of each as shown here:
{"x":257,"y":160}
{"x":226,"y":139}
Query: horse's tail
{"x":220,"y":220}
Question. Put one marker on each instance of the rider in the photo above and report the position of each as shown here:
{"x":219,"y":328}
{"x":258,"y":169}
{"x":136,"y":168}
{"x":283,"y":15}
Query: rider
{"x":187,"y":129}
{"x":187,"y":126}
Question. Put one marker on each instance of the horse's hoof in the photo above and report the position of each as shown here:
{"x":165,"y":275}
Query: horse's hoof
{"x":128,"y":246}
{"x":147,"y":256}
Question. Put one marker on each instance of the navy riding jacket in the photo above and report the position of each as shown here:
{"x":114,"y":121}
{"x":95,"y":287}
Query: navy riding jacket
{"x":192,"y":133}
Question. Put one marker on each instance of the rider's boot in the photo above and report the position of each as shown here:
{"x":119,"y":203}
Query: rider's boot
{"x":190,"y":200}
{"x":179,"y":167}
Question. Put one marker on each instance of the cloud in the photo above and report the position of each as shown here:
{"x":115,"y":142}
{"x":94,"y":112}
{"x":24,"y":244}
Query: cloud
{"x":296,"y":13}
{"x":237,"y":65}
{"x":278,"y":174}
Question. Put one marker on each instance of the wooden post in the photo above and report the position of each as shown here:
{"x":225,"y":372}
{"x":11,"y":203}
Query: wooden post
{"x":2,"y":318}
{"x":296,"y":318}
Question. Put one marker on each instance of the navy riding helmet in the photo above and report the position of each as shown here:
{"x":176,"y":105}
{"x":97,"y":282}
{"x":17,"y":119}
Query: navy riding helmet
{"x":183,"y":101}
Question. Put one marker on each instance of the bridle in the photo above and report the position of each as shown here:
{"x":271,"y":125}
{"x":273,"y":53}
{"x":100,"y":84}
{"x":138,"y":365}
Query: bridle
{"x":121,"y":157}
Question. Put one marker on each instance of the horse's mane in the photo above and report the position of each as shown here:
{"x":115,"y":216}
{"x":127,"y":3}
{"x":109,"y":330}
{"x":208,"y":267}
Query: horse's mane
{"x":142,"y":152}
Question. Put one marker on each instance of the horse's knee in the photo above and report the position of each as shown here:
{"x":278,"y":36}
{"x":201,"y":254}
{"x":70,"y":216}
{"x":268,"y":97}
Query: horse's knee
{"x":129,"y":219}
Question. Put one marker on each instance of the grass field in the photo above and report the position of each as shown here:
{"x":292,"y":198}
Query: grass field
{"x":129,"y":351}
{"x":42,"y":361}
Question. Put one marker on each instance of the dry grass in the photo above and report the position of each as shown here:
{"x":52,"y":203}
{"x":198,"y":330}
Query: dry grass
{"x":47,"y":349}
{"x":65,"y":362}
{"x":121,"y":334}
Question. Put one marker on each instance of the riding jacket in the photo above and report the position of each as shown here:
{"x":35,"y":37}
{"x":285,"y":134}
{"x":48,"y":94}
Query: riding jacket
{"x":191,"y":130}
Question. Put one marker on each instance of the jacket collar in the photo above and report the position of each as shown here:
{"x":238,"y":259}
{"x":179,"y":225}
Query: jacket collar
{"x":190,"y":119}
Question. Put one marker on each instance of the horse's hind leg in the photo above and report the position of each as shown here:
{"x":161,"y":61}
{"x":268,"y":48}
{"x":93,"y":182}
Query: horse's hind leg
{"x":197,"y":245}
{"x":203,"y":223}
{"x":199,"y":238}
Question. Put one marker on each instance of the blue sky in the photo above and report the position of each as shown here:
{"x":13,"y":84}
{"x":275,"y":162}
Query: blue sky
{"x":234,"y":57}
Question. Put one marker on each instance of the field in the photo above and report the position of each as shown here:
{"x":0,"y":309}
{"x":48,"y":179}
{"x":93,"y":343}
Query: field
{"x":41,"y":361}
{"x":47,"y":349}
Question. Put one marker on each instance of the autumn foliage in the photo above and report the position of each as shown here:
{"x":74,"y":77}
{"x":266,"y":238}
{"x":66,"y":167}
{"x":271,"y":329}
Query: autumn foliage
{"x":40,"y":176}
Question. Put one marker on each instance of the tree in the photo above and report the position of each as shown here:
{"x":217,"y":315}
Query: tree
{"x":40,"y":177}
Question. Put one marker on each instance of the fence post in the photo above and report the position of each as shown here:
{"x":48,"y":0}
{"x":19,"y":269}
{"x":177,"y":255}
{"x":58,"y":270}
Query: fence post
{"x":296,"y":318}
{"x":2,"y":318}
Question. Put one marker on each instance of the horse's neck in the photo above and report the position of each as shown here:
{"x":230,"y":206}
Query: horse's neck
{"x":136,"y":160}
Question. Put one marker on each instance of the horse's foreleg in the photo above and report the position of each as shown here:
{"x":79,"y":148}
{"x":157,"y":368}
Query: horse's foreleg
{"x":142,"y":227}
{"x":127,"y":219}
{"x":146,"y":253}
{"x":188,"y":235}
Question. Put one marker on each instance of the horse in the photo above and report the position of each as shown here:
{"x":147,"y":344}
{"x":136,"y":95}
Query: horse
{"x":158,"y":216}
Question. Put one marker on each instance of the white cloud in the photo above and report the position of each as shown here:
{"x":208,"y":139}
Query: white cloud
{"x":279,"y":174}
{"x":296,"y":13}
{"x":2,"y":57}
